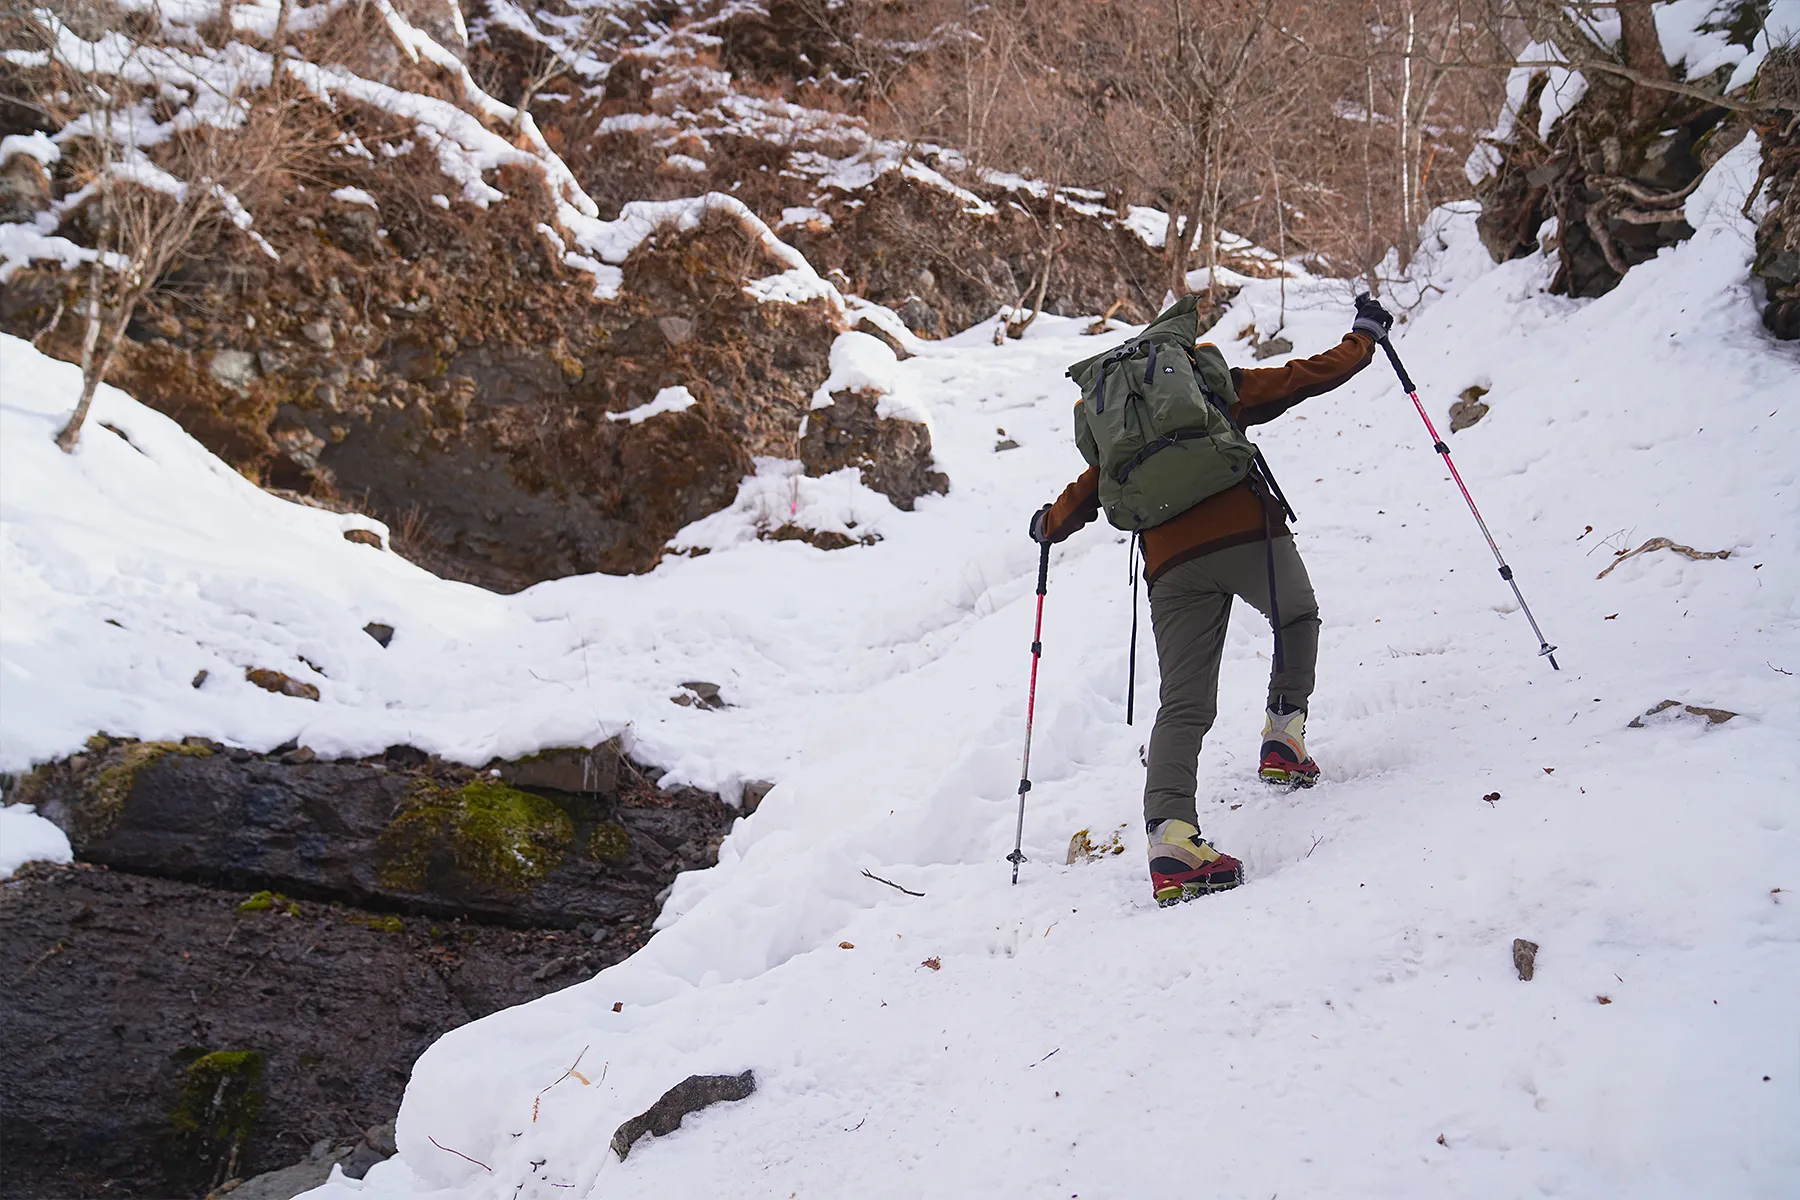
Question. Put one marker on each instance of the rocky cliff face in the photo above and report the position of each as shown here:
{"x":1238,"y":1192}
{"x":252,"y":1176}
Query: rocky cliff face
{"x":429,"y":337}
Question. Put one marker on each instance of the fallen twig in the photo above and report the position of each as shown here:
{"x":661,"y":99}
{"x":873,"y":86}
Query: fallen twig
{"x":43,"y":958}
{"x":878,"y":879}
{"x":573,"y":1071}
{"x":1044,"y":1059}
{"x":459,"y":1154}
{"x":1663,"y":543}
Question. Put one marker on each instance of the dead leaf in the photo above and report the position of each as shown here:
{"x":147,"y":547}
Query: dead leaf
{"x":1549,"y":770}
{"x":1663,"y":543}
{"x":618,"y":1006}
{"x":934,"y":962}
{"x":1441,"y":1140}
{"x":1491,"y":797}
{"x":584,"y":1079}
{"x":1614,"y":617}
{"x":1604,"y":999}
{"x":846,"y":946}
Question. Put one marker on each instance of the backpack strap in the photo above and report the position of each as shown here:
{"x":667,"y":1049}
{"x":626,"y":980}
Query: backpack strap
{"x":1161,"y":443}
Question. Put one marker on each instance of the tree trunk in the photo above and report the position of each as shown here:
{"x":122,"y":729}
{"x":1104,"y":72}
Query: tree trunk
{"x":91,"y":371}
{"x":1643,"y":51}
{"x":1403,"y":123}
{"x":281,"y":27}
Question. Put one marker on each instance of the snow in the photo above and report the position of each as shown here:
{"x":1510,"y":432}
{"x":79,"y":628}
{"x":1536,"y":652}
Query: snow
{"x":860,"y":362}
{"x":1346,"y":1024}
{"x":353,"y":195}
{"x":669,"y":399}
{"x":38,"y":145}
{"x":26,"y":837}
{"x":779,"y":494}
{"x":799,"y":215}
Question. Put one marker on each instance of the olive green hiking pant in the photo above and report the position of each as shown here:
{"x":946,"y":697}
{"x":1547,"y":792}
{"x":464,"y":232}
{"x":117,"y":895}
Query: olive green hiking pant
{"x":1190,"y":607}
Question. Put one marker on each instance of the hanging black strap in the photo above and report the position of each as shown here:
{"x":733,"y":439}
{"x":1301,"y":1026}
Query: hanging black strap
{"x":1131,"y":658}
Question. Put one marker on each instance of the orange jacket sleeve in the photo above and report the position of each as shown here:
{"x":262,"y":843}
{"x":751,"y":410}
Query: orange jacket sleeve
{"x":1264,"y":393}
{"x":1078,"y":504}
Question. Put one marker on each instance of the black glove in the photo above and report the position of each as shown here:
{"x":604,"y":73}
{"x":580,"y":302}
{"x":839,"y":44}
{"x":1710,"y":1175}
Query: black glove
{"x":1037,"y":525}
{"x":1371,"y":318}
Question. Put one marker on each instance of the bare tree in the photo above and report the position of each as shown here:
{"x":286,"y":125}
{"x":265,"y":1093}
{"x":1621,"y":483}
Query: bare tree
{"x":147,"y":210}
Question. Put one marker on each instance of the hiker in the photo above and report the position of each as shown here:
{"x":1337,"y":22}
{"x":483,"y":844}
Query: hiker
{"x":1212,"y":527}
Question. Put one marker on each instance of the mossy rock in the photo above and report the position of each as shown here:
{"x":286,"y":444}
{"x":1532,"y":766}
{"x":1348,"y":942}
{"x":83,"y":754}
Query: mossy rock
{"x":95,"y":785}
{"x":609,"y":843}
{"x":491,"y":833}
{"x":216,"y":1111}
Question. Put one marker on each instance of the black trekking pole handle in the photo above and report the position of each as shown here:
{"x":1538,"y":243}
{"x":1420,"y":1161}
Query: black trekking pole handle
{"x":1405,"y":379}
{"x":1545,"y":649}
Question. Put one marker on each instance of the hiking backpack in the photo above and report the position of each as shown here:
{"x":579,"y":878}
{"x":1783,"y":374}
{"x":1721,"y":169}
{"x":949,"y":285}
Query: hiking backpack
{"x":1154,"y":422}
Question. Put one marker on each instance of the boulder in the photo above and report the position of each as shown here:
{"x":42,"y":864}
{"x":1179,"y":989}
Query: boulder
{"x":575,"y":836}
{"x":689,"y":1096}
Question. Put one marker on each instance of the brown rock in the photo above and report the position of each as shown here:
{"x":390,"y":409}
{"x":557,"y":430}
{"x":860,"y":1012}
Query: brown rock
{"x":274,"y":681}
{"x":1468,"y":408}
{"x":363,"y":537}
{"x":1524,"y":958}
{"x":1661,"y":714}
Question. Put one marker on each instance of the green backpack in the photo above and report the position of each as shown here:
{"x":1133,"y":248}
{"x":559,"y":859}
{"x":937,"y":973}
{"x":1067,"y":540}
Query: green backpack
{"x":1153,"y":420}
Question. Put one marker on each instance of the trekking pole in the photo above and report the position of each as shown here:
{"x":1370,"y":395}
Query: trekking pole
{"x":1545,"y":649}
{"x":1037,"y":650}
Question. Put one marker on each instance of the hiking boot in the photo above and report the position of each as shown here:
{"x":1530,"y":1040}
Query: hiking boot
{"x":1284,"y":757}
{"x":1184,"y":865}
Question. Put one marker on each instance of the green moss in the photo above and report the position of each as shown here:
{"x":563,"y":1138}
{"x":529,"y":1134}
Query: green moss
{"x":217,"y":1108}
{"x":491,"y":832}
{"x":380,"y":924}
{"x":264,"y":901}
{"x":610,"y":843}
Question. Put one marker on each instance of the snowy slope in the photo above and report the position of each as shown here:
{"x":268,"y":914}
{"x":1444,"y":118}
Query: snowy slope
{"x":1313,"y":1033}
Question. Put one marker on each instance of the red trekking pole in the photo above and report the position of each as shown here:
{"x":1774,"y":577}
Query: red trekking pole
{"x":1037,"y":649}
{"x":1544,"y":647}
